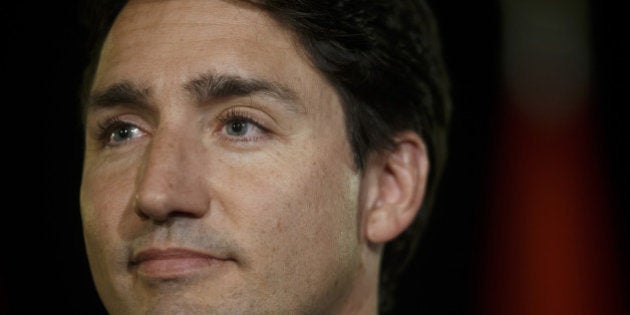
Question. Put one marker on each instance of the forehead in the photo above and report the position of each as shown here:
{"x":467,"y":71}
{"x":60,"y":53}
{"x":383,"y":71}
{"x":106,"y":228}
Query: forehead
{"x":168,"y":17}
{"x":181,"y":38}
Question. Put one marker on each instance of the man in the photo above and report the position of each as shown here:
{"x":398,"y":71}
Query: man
{"x":259,"y":157}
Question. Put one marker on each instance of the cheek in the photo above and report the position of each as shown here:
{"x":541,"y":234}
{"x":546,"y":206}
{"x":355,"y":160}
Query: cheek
{"x":106,"y":192}
{"x":296,"y":212}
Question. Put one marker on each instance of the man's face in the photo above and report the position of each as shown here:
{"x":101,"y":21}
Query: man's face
{"x":218,"y":176}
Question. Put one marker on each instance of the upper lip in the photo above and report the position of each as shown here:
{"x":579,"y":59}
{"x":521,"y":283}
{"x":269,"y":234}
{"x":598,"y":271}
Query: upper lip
{"x":169,"y":253}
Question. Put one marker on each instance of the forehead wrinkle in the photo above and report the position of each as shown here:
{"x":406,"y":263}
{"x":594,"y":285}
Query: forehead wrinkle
{"x":173,"y":15}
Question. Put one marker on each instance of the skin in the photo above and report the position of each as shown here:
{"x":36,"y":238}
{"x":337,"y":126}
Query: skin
{"x":181,"y":181}
{"x":230,"y":204}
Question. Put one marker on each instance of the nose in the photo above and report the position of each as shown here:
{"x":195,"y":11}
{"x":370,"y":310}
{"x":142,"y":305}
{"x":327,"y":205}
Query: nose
{"x":170,"y":181}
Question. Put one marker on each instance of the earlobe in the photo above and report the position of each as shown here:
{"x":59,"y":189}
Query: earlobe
{"x":399,"y":180}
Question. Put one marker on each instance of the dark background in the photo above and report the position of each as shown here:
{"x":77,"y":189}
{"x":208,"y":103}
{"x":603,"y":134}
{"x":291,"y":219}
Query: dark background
{"x":44,"y":267}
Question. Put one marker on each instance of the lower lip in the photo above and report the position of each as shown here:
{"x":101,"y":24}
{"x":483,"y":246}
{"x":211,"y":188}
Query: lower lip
{"x":175,"y":267}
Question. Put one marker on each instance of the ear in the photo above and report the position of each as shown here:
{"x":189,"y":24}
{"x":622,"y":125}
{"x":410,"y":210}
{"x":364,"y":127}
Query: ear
{"x":394,"y":184}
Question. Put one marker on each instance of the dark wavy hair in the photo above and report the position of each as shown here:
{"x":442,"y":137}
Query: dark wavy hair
{"x":384,"y":59}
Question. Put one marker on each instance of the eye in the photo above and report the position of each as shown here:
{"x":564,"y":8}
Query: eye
{"x":238,"y":128}
{"x":241,"y":126}
{"x":124,"y":133}
{"x":116,"y":132}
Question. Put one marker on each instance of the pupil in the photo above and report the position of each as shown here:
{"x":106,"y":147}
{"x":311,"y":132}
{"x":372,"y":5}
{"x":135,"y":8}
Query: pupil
{"x":237,"y":127}
{"x":123,"y":133}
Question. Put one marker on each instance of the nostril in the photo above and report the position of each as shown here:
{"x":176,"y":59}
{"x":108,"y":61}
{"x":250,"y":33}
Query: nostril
{"x":141,"y":214}
{"x":137,"y":210}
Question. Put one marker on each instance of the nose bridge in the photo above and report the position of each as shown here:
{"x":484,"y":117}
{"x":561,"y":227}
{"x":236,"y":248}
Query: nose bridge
{"x":162,"y":160}
{"x":167,"y":182}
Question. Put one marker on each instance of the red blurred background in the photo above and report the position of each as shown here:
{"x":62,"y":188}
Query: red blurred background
{"x":551,"y":246}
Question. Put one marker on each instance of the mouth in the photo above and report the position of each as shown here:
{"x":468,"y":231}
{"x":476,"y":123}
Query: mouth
{"x":173,"y":263}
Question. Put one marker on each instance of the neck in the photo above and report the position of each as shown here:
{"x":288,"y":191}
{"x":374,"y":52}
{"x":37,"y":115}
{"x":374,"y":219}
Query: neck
{"x":363,"y":298}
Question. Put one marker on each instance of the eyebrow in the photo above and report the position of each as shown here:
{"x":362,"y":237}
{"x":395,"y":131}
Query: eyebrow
{"x":211,"y":86}
{"x":204,"y":88}
{"x":120,"y":93}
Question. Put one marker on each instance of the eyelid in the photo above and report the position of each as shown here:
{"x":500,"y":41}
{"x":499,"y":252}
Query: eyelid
{"x":236,"y":114}
{"x":256,"y":108}
{"x":106,"y":126}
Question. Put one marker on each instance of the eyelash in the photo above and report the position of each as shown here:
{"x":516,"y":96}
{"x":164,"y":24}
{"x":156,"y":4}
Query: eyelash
{"x":108,"y":126}
{"x":234,"y":115}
